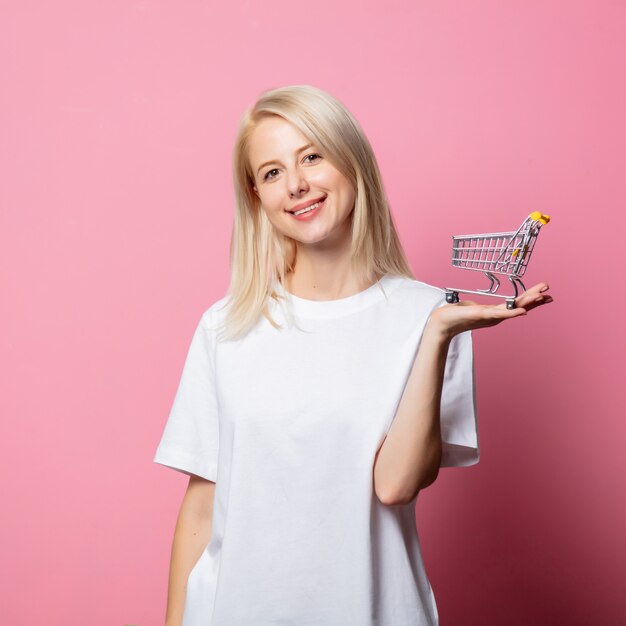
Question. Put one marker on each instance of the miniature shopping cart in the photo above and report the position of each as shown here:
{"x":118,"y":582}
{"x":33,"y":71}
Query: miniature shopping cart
{"x":497,"y":253}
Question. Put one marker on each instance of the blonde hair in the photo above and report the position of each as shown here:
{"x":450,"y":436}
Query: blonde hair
{"x":261,"y":255}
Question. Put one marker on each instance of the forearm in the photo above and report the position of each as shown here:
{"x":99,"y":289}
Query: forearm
{"x":191,"y":537}
{"x":409,"y":457}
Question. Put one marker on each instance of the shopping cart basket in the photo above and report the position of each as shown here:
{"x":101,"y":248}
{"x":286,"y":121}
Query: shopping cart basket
{"x":497,"y":253}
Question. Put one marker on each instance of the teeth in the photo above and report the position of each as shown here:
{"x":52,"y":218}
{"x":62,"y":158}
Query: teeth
{"x":309,"y":208}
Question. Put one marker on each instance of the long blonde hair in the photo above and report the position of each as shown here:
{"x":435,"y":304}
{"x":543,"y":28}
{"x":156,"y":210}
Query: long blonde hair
{"x":261,"y":255}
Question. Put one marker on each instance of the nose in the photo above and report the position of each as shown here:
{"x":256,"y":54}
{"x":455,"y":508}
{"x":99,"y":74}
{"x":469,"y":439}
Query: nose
{"x":296,"y":183}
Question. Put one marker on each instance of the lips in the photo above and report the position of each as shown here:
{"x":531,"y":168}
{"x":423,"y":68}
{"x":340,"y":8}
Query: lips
{"x":304,"y":205}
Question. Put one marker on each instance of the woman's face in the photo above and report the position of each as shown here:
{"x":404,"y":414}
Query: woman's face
{"x":287,"y":173}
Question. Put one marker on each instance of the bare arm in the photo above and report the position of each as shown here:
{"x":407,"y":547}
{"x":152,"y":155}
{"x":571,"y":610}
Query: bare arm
{"x":191,"y":536}
{"x":409,"y":458}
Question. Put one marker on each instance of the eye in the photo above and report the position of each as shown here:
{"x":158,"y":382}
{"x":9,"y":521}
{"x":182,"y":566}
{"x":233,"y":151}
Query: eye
{"x":268,"y":175}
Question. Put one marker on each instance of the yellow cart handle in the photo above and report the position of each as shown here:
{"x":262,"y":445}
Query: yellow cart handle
{"x":538,"y":216}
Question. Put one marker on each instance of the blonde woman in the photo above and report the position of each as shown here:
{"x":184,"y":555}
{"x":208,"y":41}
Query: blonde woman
{"x":320,"y":395}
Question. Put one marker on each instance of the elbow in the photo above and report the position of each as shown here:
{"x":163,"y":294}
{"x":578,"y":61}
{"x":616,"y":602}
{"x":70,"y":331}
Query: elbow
{"x":387,"y":498}
{"x":386,"y":493}
{"x":392,"y":493}
{"x":399,"y":496}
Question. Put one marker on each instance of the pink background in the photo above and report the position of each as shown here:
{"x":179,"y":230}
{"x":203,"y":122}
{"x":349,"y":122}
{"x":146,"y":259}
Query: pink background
{"x":117,"y":125}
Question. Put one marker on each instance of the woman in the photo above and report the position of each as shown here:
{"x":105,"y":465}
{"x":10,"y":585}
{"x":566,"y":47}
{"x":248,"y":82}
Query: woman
{"x":320,"y":395}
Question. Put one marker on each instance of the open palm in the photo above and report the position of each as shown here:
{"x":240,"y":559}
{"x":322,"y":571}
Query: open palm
{"x":456,"y":318}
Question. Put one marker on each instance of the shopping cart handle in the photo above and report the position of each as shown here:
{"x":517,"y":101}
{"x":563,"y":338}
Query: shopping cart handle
{"x":537,"y":216}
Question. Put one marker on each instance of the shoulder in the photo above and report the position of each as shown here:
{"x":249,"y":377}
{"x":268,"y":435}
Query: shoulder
{"x":214,"y":315}
{"x":419,"y":293}
{"x":417,"y":300}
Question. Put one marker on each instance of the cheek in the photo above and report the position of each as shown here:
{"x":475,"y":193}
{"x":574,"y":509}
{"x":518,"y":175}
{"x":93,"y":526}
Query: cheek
{"x":271,"y":200}
{"x":273,"y":207}
{"x":351,"y":194}
{"x":332,"y":180}
{"x":348,"y":195}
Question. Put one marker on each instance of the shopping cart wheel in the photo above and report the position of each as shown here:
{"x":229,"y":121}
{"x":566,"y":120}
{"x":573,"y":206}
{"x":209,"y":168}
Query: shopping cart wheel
{"x":510,"y":304}
{"x":452,"y":297}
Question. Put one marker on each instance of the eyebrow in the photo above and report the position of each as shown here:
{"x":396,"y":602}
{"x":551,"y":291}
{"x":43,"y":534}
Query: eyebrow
{"x":298,"y":151}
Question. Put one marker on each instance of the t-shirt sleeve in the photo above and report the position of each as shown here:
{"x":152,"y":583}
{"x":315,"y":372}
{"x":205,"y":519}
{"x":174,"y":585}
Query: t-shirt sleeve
{"x":190,"y":439}
{"x":459,"y":427}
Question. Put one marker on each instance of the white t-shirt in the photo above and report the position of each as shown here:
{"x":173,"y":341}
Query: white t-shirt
{"x":287,"y":424}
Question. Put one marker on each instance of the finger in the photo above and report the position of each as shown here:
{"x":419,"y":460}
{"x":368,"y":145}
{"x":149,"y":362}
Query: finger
{"x":527,"y":300}
{"x":530,"y":295}
{"x":540,"y":301}
{"x":501,"y":312}
{"x":537,"y":293}
{"x":544,"y":300}
{"x":521,"y":302}
{"x":538,"y":288}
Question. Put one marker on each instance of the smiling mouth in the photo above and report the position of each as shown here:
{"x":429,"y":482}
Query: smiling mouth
{"x":311,"y":207}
